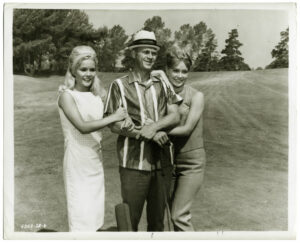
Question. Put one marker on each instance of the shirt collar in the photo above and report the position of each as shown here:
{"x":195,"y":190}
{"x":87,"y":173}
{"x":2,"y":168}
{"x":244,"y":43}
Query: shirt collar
{"x":133,"y":77}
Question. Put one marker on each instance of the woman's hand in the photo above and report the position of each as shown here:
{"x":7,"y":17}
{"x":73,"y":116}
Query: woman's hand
{"x":161,"y":74}
{"x":161,"y":138}
{"x":120,"y":114}
{"x":164,"y":79}
{"x":127,"y":124}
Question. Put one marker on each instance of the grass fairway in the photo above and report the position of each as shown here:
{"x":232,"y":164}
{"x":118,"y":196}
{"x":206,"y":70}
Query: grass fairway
{"x":246,"y":139}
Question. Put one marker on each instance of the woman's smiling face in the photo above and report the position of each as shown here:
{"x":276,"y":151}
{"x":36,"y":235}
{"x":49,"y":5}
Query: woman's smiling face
{"x":85,"y":73}
{"x":178,"y":74}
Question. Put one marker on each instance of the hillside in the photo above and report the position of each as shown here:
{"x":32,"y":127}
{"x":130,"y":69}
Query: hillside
{"x":246,"y":140}
{"x":246,"y":114}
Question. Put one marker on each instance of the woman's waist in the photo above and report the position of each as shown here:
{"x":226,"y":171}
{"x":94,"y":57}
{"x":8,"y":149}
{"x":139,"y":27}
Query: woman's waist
{"x":190,"y":158}
{"x":187,"y":144}
{"x":88,"y":144}
{"x":191,"y":152}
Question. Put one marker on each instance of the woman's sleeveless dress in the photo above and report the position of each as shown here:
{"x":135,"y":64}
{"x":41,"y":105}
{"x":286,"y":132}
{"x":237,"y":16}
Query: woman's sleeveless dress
{"x":189,"y":151}
{"x":82,"y":166}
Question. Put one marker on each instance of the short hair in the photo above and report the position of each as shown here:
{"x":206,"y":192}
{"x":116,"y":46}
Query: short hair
{"x":175,"y":54}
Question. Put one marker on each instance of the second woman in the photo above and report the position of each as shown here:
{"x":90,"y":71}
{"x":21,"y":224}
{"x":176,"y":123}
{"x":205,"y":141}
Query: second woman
{"x":187,"y":137}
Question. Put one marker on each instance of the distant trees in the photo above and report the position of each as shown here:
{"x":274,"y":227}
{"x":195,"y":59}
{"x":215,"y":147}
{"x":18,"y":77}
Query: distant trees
{"x":44,"y":38}
{"x":110,"y":47}
{"x":281,"y":52}
{"x":208,"y":58}
{"x":232,"y":59}
{"x":41,"y":34}
{"x":201,"y":43}
{"x":186,"y":38}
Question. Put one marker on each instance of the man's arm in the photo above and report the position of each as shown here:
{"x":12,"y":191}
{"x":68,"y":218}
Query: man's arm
{"x":169,"y":121}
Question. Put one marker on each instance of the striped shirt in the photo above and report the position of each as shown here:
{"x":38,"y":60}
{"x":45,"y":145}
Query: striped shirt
{"x":142,"y":101}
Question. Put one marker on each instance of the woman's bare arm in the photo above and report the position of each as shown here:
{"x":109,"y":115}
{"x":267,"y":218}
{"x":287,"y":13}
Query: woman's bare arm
{"x":69,"y":107}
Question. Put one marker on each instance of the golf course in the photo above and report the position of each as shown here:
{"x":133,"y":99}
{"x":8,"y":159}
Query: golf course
{"x":246,"y":140}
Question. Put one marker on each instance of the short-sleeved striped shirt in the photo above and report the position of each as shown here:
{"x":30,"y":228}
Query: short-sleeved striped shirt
{"x":142,"y":101}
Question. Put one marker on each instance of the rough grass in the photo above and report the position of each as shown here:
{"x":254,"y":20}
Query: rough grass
{"x":246,"y":139}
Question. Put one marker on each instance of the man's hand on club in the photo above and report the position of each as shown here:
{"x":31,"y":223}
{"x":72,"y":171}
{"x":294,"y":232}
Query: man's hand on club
{"x":147,"y":132}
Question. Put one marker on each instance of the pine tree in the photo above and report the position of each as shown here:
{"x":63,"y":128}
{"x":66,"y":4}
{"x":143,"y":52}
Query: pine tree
{"x":232,"y":59}
{"x":281,"y":52}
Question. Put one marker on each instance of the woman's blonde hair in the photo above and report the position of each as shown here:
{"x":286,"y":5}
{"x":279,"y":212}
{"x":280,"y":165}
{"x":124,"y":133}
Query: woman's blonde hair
{"x":77,"y":56}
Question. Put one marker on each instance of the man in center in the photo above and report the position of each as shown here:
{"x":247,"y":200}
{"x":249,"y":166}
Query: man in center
{"x":152,"y":108}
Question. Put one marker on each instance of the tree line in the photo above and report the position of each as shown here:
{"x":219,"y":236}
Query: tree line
{"x":44,"y":38}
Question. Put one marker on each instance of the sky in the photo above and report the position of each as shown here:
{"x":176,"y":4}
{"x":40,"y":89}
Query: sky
{"x":259,"y":30}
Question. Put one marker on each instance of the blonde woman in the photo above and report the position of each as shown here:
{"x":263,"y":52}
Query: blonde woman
{"x":81,"y":114}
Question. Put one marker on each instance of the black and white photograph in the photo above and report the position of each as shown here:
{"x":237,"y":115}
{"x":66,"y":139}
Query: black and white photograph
{"x":150,"y":120}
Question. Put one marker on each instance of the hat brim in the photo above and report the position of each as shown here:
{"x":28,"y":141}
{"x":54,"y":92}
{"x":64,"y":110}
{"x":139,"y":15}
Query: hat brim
{"x":142,"y":45}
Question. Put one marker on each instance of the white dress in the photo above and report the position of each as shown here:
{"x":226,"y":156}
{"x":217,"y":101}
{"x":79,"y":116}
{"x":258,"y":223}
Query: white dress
{"x":82,"y":166}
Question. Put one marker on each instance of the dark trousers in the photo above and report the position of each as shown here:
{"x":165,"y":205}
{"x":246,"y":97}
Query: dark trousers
{"x":140,"y":186}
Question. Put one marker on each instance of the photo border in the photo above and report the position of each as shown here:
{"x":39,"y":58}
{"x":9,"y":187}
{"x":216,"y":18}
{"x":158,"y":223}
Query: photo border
{"x":8,"y":201}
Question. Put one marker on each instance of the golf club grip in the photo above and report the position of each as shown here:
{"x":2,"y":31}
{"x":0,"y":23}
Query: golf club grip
{"x":123,"y":217}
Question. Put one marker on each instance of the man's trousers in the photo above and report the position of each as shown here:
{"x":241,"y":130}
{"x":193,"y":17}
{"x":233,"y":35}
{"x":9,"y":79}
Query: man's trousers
{"x":139,"y":186}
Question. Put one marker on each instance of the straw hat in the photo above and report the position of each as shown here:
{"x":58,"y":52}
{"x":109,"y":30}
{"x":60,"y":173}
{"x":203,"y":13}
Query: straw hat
{"x":143,"y":38}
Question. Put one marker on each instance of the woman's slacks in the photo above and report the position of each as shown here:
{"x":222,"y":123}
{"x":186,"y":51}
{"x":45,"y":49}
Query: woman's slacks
{"x":187,"y":180}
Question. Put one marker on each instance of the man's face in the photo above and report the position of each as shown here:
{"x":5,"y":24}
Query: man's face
{"x":145,"y":57}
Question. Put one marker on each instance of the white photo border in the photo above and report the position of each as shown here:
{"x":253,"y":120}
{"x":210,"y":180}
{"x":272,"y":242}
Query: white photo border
{"x":8,"y":133}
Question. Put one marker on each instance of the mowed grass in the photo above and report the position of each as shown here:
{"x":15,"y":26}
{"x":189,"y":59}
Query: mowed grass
{"x":246,"y":140}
